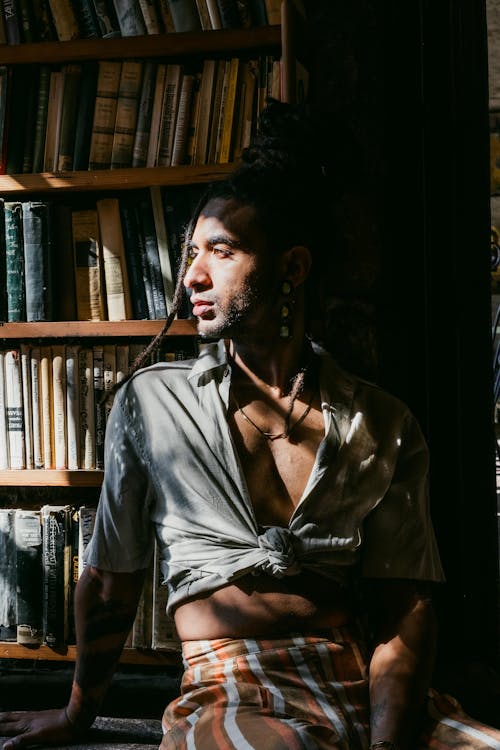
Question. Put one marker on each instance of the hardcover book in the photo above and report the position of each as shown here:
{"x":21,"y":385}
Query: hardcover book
{"x":69,"y":112}
{"x":185,"y":15}
{"x":29,"y":614}
{"x":87,"y":419}
{"x":59,"y":406}
{"x":144,"y":114}
{"x":126,"y":114}
{"x":129,"y":17}
{"x":36,"y":407}
{"x":86,"y":522}
{"x":56,"y":563}
{"x":103,"y":126}
{"x":27,"y":407}
{"x":72,"y":407}
{"x":46,"y":407}
{"x":14,"y":409}
{"x":114,"y":261}
{"x":37,"y":242}
{"x":8,"y":575}
{"x":4,"y":438}
{"x":88,"y":260}
{"x":14,"y":261}
{"x":169,"y":114}
{"x":135,"y":258}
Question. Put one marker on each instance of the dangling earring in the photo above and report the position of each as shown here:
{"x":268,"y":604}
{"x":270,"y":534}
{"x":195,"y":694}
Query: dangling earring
{"x":286,"y":310}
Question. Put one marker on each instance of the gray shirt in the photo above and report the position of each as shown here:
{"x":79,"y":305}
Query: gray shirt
{"x":172,"y":468}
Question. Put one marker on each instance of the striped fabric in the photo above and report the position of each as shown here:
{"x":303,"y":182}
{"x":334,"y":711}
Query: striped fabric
{"x":300,"y":693}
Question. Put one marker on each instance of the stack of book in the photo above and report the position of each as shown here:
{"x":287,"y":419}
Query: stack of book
{"x":26,"y":21}
{"x":55,"y":401}
{"x":112,"y":114}
{"x":41,"y":559}
{"x":116,"y":259}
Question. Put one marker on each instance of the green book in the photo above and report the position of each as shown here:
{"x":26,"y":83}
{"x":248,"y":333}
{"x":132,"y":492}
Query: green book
{"x":37,"y":242}
{"x":14,"y":261}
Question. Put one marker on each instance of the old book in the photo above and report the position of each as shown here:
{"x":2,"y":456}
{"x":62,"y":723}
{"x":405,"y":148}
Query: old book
{"x":229,"y":14}
{"x":41,"y":117}
{"x":86,"y":522}
{"x":38,"y":251}
{"x":163,"y":633}
{"x":73,"y":574}
{"x":87,"y":418}
{"x":53,"y":126}
{"x":56,"y":571}
{"x":162,"y":243}
{"x":144,"y":114}
{"x":27,"y":407}
{"x":85,"y":115}
{"x":8,"y":575}
{"x":156,"y":113}
{"x":169,"y":114}
{"x":193,"y":119}
{"x":213,"y":11}
{"x":72,"y":407}
{"x":166,"y":16}
{"x":36,"y":407}
{"x":122,"y":361}
{"x":12,"y":22}
{"x":247,"y":108}
{"x":63,"y":265}
{"x":218,"y":118}
{"x":205,"y":111}
{"x":88,"y":259}
{"x":99,"y":414}
{"x":147,"y":228}
{"x":106,"y":18}
{"x":59,"y":406}
{"x":229,"y":112}
{"x":202,"y":7}
{"x":44,"y":25}
{"x":126,"y":114}
{"x":46,"y":407}
{"x":129,"y":17}
{"x":31,"y":95}
{"x":64,"y":19}
{"x":28,"y":535}
{"x":273,"y":12}
{"x":114,"y":260}
{"x":86,"y":19}
{"x":216,"y":111}
{"x":69,"y":113}
{"x":14,"y":409}
{"x":5,"y":81}
{"x":4,"y":439}
{"x":109,"y":377}
{"x":182,"y":122}
{"x":14,"y":261}
{"x":185,"y":15}
{"x":259,"y":15}
{"x":21,"y":78}
{"x":103,"y":125}
{"x":135,"y":258}
{"x":150,"y":16}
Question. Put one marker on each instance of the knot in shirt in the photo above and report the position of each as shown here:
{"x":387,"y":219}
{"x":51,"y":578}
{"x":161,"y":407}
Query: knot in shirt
{"x":281,"y":561}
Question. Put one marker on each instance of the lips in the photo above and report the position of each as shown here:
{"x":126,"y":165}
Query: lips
{"x":201,"y":307}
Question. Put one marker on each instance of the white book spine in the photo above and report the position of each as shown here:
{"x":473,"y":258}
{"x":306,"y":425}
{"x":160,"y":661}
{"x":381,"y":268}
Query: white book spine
{"x":87,"y":422}
{"x":36,"y":408}
{"x":14,"y":399}
{"x":46,"y":407}
{"x":86,"y":521}
{"x":72,"y":408}
{"x":27,"y":408}
{"x":162,"y":241}
{"x":4,"y":441}
{"x":59,"y":401}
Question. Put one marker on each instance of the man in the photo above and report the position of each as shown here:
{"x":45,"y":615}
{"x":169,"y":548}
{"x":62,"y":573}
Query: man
{"x":288,"y":498}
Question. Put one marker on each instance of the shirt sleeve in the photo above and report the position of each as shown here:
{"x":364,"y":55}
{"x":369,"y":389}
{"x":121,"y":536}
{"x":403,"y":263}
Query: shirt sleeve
{"x":122,"y":541}
{"x":399,"y":540}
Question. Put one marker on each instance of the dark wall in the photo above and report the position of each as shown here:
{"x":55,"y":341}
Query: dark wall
{"x":402,"y":91}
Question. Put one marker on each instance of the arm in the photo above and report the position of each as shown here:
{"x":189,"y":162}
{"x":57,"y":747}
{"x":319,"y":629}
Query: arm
{"x":402,"y":661}
{"x":105,"y":606}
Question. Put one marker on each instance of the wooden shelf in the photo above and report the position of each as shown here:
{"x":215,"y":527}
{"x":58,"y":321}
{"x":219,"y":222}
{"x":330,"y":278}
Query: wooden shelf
{"x":68,"y":653}
{"x":177,"y":45}
{"x":50,"y":478}
{"x":94,"y":329}
{"x":113,"y":179}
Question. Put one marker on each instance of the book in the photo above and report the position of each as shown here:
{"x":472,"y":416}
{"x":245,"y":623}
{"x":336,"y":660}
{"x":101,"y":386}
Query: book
{"x":46,"y":406}
{"x":74,"y":532}
{"x":27,"y":407}
{"x":29,"y":615}
{"x":106,"y":19}
{"x":103,"y":125}
{"x":182,"y":122}
{"x":205,"y":111}
{"x":142,"y":627}
{"x":169,"y":114}
{"x":37,"y":243}
{"x":44,"y":26}
{"x":229,"y":112}
{"x":150,"y":16}
{"x":126,"y":114}
{"x":122,"y":361}
{"x":273,"y":12}
{"x":114,"y":261}
{"x":63,"y":264}
{"x":72,"y":407}
{"x":63,"y":16}
{"x":14,"y":261}
{"x":216,"y":111}
{"x":86,"y":19}
{"x":193,"y":119}
{"x":109,"y":377}
{"x":135,"y":259}
{"x":14,"y":409}
{"x":4,"y":439}
{"x":163,"y":633}
{"x":59,"y":406}
{"x":185,"y":15}
{"x":53,"y":125}
{"x":166,"y":16}
{"x":85,"y":115}
{"x":21,"y":81}
{"x":86,"y":523}
{"x":218,"y":118}
{"x":129,"y":17}
{"x":144,"y":113}
{"x":41,"y":117}
{"x":88,"y":259}
{"x":99,"y":414}
{"x":259,"y":14}
{"x":156,"y":113}
{"x":246,"y":108}
{"x":69,"y":113}
{"x":87,"y":420}
{"x":213,"y":12}
{"x":5,"y":80}
{"x":36,"y":407}
{"x":162,"y":243}
{"x":56,"y":571}
{"x":31,"y":96}
{"x":204,"y":15}
{"x":12,"y":22}
{"x":8,"y":575}
{"x":229,"y":14}
{"x":147,"y":229}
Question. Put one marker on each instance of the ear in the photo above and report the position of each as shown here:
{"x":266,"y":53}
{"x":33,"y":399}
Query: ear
{"x":297,"y":262}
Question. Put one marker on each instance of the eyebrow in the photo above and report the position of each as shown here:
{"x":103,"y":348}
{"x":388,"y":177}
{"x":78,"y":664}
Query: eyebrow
{"x":223,"y":239}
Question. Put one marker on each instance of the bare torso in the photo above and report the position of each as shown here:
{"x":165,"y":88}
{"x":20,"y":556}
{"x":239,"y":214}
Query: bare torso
{"x":276,"y":474}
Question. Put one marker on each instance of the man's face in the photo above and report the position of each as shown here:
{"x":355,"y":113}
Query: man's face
{"x":233,"y":276}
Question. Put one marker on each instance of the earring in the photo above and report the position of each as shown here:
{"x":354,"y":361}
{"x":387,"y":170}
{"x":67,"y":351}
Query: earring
{"x":286,"y":310}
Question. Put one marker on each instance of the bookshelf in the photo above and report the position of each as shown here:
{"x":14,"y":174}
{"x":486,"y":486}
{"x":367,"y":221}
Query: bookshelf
{"x":73,"y":185}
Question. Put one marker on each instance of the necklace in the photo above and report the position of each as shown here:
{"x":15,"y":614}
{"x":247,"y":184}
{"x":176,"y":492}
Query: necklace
{"x":288,"y":426}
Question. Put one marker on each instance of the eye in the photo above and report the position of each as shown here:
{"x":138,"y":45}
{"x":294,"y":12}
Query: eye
{"x":222,"y":251}
{"x":192,"y":253}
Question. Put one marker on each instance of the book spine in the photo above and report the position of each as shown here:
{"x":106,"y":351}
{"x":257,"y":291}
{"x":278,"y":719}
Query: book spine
{"x":162,"y":243}
{"x":229,"y":15}
{"x":85,"y":115}
{"x":122,"y":361}
{"x":86,"y":19}
{"x":99,"y":414}
{"x":8,"y":575}
{"x":145,"y":111}
{"x":169,"y":115}
{"x":27,"y":406}
{"x":183,"y":120}
{"x":204,"y":15}
{"x":5,"y":79}
{"x":150,"y":16}
{"x":109,"y":377}
{"x":86,"y":523}
{"x":28,"y":535}
{"x":72,"y":407}
{"x":220,"y":118}
{"x":213,"y":11}
{"x":163,"y":633}
{"x":115,"y":266}
{"x":31,"y":95}
{"x":129,"y":17}
{"x":71,"y":95}
{"x":87,"y":255}
{"x":41,"y":118}
{"x":53,"y":128}
{"x":131,"y":240}
{"x":205,"y":110}
{"x":87,"y":421}
{"x":4,"y":438}
{"x":35,"y":364}
{"x":20,"y":83}
{"x":166,"y":16}
{"x":59,"y":406}
{"x":147,"y":226}
{"x":103,"y":126}
{"x":46,"y":406}
{"x":15,"y":415}
{"x":185,"y":15}
{"x":74,"y":533}
{"x":159,"y":90}
{"x":12,"y":22}
{"x":55,"y":565}
{"x":37,"y":260}
{"x":14,"y":259}
{"x":229,"y":111}
{"x":64,"y":19}
{"x":44,"y":26}
{"x":126,"y":114}
{"x":216,"y":112}
{"x":63,"y":263}
{"x":193,"y":119}
{"x":106,"y":19}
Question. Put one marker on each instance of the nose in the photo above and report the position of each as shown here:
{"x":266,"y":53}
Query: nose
{"x":197,"y":273}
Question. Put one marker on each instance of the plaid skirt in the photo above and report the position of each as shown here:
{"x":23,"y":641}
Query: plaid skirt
{"x":297,"y":693}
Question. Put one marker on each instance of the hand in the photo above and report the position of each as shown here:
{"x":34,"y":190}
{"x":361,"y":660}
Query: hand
{"x":29,"y":728}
